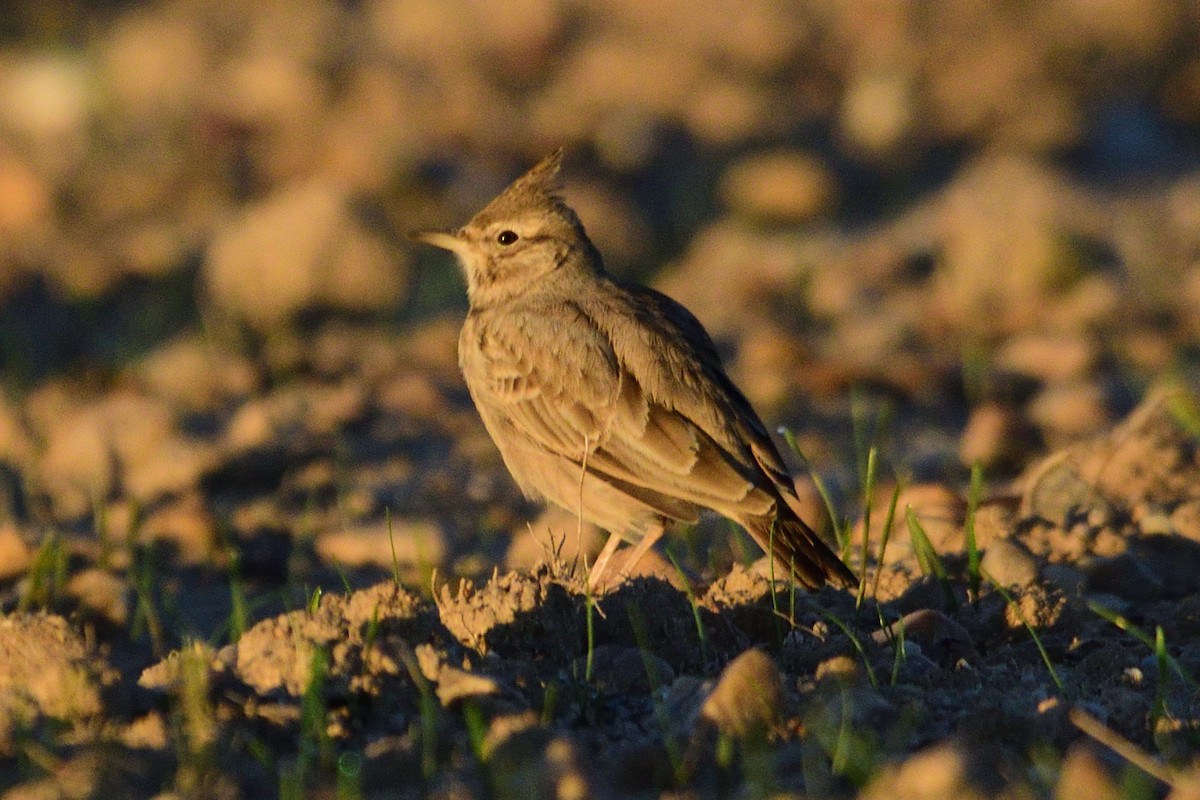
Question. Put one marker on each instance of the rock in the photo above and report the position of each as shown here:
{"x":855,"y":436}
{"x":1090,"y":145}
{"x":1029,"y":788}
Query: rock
{"x":1067,"y":412}
{"x":1056,"y":491}
{"x":416,"y":542}
{"x":779,"y":187}
{"x":936,"y":773}
{"x":15,"y":553}
{"x":940,"y":637}
{"x":1185,"y":519}
{"x":995,"y":435}
{"x":46,"y":671}
{"x":364,"y":640}
{"x":169,"y":674}
{"x":995,"y":519}
{"x":1048,"y":357}
{"x":748,"y":699}
{"x":86,"y":447}
{"x":101,"y":593}
{"x":1083,"y":774}
{"x":193,"y":375}
{"x":1009,"y":563}
{"x":514,"y":613}
{"x":555,"y":535}
{"x":455,"y":685}
{"x":301,"y":249}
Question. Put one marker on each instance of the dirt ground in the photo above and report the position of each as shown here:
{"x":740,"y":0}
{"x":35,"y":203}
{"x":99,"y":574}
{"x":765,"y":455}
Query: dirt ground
{"x":255,"y":542}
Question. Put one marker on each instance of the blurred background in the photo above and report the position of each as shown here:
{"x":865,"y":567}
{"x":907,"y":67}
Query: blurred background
{"x":968,"y":230}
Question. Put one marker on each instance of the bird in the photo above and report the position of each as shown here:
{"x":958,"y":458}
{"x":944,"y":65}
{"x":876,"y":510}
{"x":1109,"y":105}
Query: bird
{"x":608,"y":398}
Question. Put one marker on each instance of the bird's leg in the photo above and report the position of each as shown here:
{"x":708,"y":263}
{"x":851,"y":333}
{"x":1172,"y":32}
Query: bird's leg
{"x":595,"y":579}
{"x":606,"y":554}
{"x":641,"y":548}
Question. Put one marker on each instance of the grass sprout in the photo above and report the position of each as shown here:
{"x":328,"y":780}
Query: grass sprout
{"x":927,"y":557}
{"x":1037,"y":640}
{"x":974,"y":558}
{"x":701,"y":633}
{"x":888,"y":521}
{"x":840,"y":531}
{"x":868,"y":493}
{"x":47,"y":574}
{"x":1145,"y":638}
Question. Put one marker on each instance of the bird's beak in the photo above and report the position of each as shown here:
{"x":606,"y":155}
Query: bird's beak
{"x":447,"y":240}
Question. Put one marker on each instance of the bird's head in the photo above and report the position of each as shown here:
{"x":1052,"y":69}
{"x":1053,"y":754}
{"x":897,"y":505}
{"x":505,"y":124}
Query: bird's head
{"x":524,"y":234}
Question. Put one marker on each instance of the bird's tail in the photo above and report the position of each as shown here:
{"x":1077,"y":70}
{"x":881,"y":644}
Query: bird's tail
{"x":797,"y":547}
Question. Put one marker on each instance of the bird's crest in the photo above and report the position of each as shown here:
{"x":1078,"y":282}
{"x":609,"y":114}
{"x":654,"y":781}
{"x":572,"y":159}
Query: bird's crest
{"x":537,"y":187}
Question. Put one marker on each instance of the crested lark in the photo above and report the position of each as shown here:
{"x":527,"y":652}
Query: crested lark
{"x":609,"y":399}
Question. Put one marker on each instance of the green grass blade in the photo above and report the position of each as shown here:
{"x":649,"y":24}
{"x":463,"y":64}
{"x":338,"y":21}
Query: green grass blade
{"x":974,"y":559}
{"x":1037,"y":640}
{"x":839,"y":533}
{"x":868,"y":494}
{"x":888,"y":521}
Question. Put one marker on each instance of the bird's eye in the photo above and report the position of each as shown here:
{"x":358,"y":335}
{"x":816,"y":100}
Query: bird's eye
{"x":506,"y":237}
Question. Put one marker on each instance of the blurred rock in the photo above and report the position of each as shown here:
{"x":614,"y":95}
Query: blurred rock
{"x":1067,"y":412}
{"x":1053,"y":358}
{"x":1185,"y":519}
{"x":532,"y":763}
{"x":1121,"y":575}
{"x":26,"y":217}
{"x":416,"y":542}
{"x":748,"y":699}
{"x":15,"y":553}
{"x":45,"y":105}
{"x":1000,"y":231}
{"x":1083,"y":774}
{"x":1009,"y":563}
{"x":996,"y":435}
{"x":153,"y":65}
{"x":1148,"y":458}
{"x":46,"y":671}
{"x":939,"y":510}
{"x":300,"y":249}
{"x":879,"y":110}
{"x":940,"y":637}
{"x":101,"y":594}
{"x":941,"y":772}
{"x":173,"y":467}
{"x":781,"y":187}
{"x":187,"y":525}
{"x":995,"y":520}
{"x":192,"y":374}
{"x":86,"y":449}
{"x":729,"y":268}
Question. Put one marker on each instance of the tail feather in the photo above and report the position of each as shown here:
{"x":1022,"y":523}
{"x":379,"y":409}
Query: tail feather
{"x":797,"y":547}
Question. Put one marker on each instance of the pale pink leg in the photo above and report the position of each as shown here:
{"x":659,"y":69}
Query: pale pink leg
{"x":606,"y":554}
{"x":641,"y":548}
{"x":635,"y":555}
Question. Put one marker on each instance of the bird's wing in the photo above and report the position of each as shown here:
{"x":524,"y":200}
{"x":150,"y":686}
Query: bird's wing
{"x":678,"y":365}
{"x":545,"y":378}
{"x":562,"y":389}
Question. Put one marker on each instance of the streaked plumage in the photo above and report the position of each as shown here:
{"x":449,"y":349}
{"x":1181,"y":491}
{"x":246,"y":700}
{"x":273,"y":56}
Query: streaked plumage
{"x":608,"y":393}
